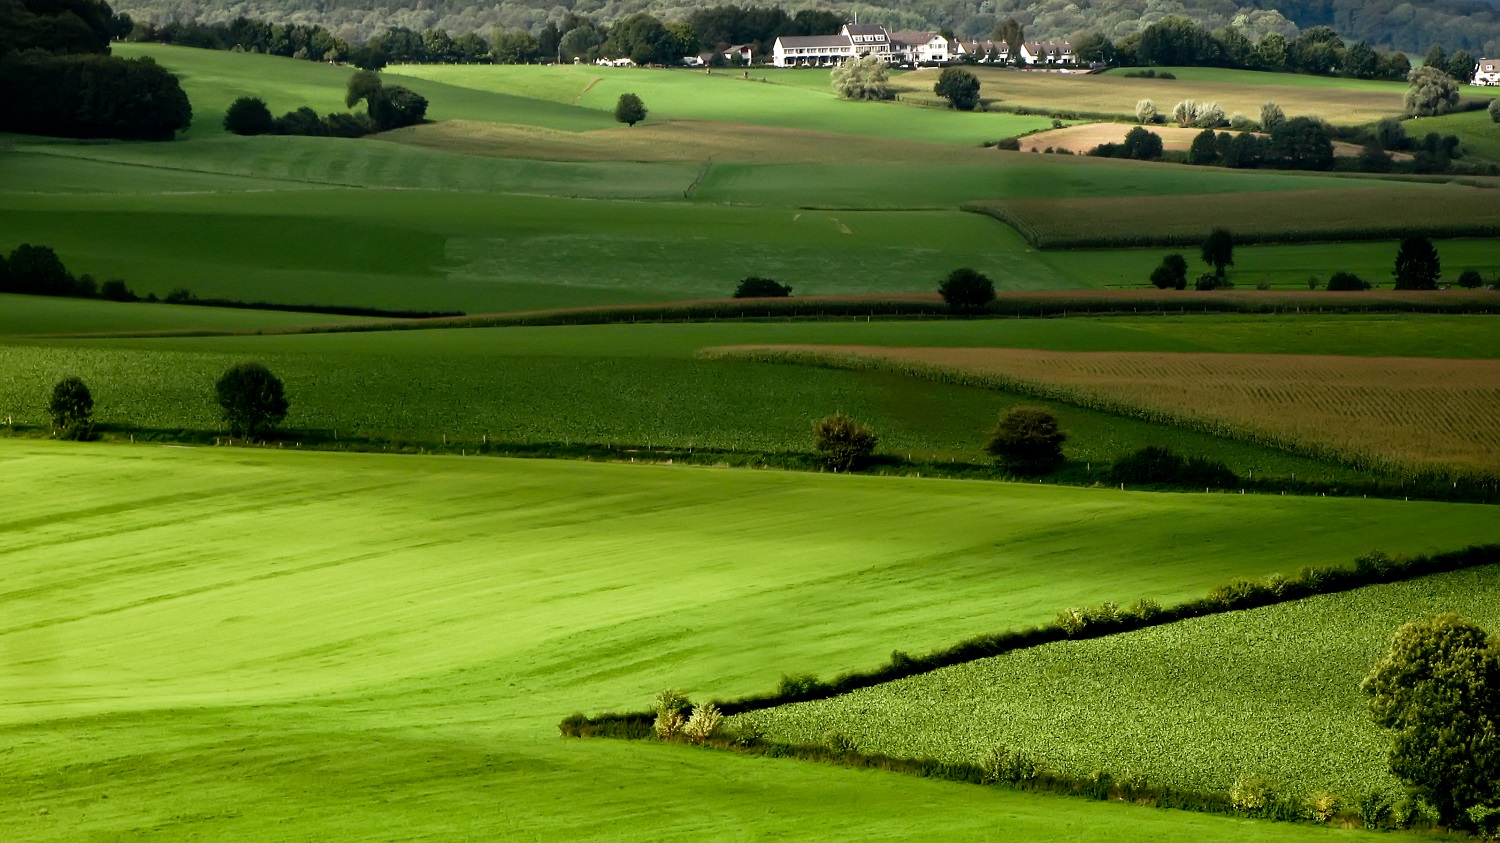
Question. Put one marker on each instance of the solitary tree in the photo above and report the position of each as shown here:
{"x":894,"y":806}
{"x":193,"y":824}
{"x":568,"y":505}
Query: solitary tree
{"x":1171,"y":273}
{"x":1142,"y":144}
{"x":1470,"y":279}
{"x":1271,"y":116}
{"x":1027,"y":441}
{"x":1417,"y":265}
{"x":756,"y":287}
{"x":967,"y":289}
{"x":1432,"y":92}
{"x":72,"y":409}
{"x":630,"y":110}
{"x":843,"y":443}
{"x":959,"y":87}
{"x":252,"y":398}
{"x":865,"y":78}
{"x":1145,"y":112}
{"x":1218,"y":250}
{"x":1438,"y":689}
{"x":249,"y":116}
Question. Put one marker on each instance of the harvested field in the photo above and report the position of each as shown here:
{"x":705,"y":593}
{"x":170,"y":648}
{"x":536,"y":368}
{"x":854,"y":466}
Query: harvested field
{"x":1396,"y":413}
{"x":1340,"y":101}
{"x":1359,"y":212}
{"x":1083,"y":137}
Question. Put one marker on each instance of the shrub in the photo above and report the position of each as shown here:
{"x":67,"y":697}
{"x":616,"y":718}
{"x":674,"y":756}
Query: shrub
{"x":704,"y":722}
{"x":959,"y":87}
{"x":1171,"y":273}
{"x":248,"y":116}
{"x":115,"y":290}
{"x":1145,"y":111}
{"x":967,"y":289}
{"x":1154,"y":464}
{"x":252,"y":398}
{"x":843,"y":443}
{"x":1470,"y":279}
{"x":1253,"y":795}
{"x":1027,"y":440}
{"x":839,"y":742}
{"x":1346,"y":281}
{"x":798,"y":685}
{"x":1494,"y":109}
{"x":1012,"y":144}
{"x":1271,"y":116}
{"x":1241,"y":123}
{"x":1209,"y":281}
{"x":1375,"y":810}
{"x":1142,"y":144}
{"x":71,"y":409}
{"x":668,"y":706}
{"x":1001,"y":764}
{"x":756,"y":287}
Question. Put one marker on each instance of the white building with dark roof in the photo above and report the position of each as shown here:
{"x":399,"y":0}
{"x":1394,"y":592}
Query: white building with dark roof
{"x":923,"y":47}
{"x":853,"y":41}
{"x":1487,"y":72}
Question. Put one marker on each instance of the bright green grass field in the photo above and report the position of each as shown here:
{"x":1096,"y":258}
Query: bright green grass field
{"x":727,"y":96}
{"x":1201,"y":704}
{"x":640,"y":384}
{"x":239,"y":644}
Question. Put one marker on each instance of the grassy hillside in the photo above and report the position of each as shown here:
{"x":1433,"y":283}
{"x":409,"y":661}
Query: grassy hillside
{"x":42,"y":315}
{"x":178,"y":669}
{"x":1201,"y":703}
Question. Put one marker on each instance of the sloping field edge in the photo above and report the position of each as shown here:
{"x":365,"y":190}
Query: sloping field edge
{"x":1395,"y":230}
{"x":1417,"y":473}
{"x":1023,"y":304}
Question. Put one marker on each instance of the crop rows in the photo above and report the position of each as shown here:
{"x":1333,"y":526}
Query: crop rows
{"x":1197,"y":704}
{"x":1292,"y":216}
{"x":1393,"y":412}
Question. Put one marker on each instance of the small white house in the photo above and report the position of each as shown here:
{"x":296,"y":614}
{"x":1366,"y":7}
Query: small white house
{"x":743,"y":53}
{"x":1487,"y":72}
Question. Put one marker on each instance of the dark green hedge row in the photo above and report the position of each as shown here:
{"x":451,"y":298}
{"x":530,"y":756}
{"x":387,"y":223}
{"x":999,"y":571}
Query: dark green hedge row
{"x":1095,"y":622}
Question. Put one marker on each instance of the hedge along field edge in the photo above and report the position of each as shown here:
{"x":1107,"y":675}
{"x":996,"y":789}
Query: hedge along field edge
{"x":1075,"y":624}
{"x":1051,"y":303}
{"x":1417,"y":473}
{"x":1082,"y":624}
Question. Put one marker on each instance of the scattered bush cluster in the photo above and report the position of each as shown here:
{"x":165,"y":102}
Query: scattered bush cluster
{"x":251,"y":398}
{"x":757,"y":287}
{"x":1155,"y":465}
{"x":387,"y":107}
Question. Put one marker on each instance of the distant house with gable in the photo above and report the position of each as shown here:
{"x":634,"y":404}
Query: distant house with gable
{"x":911,"y":47}
{"x":741,"y":53}
{"x":923,"y":47}
{"x":1487,"y":72}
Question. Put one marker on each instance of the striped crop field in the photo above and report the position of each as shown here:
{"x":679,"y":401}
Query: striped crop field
{"x":1394,"y":413}
{"x":1357,"y":212}
{"x":1198,"y":704}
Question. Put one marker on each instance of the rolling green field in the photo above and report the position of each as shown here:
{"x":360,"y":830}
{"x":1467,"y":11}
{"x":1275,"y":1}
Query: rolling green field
{"x":191,"y":651}
{"x":1271,"y":692}
{"x":40,"y":315}
{"x":641,"y":384}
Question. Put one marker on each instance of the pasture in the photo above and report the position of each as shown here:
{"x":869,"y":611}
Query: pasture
{"x":1271,"y":691}
{"x":191,"y":650}
{"x":1413,"y":414}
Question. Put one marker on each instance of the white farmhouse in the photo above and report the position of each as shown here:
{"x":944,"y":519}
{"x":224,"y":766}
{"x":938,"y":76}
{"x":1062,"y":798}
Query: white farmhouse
{"x":923,"y":47}
{"x":1487,"y":72}
{"x":853,"y":41}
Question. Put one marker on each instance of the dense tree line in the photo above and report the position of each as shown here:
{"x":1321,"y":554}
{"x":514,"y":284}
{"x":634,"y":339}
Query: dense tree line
{"x":37,"y":271}
{"x":54,"y":64}
{"x":1408,"y":25}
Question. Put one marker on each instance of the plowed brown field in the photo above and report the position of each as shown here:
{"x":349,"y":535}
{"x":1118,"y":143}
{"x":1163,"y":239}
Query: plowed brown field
{"x":1406,"y":412}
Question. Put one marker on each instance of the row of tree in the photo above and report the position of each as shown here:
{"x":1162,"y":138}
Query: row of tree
{"x":59,"y":79}
{"x":37,"y":271}
{"x":1418,"y":267}
{"x":387,"y":107}
{"x":252,"y":400}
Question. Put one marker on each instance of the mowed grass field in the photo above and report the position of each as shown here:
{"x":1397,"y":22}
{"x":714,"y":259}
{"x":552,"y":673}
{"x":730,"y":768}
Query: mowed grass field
{"x":644,"y":385}
{"x":1199,"y":704}
{"x":265,"y":646}
{"x":1340,"y":101}
{"x":1415,"y":414}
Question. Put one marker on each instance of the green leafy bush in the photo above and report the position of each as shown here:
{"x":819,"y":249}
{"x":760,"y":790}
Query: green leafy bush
{"x":843,"y":443}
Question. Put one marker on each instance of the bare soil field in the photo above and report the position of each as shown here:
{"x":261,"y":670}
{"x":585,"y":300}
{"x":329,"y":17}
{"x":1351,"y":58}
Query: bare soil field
{"x":679,"y":140}
{"x":1363,"y":211}
{"x":1410,"y":413}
